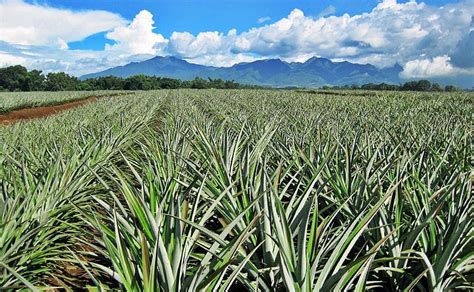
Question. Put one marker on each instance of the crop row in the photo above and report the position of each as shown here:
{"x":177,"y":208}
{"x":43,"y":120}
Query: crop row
{"x":248,"y":189}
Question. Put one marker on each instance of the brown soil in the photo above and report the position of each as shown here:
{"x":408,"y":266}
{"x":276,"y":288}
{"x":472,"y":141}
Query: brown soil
{"x":40,"y":112}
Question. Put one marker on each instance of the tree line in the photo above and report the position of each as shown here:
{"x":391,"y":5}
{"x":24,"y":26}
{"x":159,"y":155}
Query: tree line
{"x":18,"y":78}
{"x":419,"y":85}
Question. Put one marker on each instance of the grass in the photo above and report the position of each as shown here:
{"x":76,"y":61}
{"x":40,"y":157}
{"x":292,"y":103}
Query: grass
{"x":11,"y":101}
{"x":242,"y":189}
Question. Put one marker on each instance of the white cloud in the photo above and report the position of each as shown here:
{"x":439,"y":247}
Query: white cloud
{"x":51,"y":59}
{"x":397,"y":30}
{"x":327,"y":11}
{"x":388,"y":4}
{"x":34,"y":24}
{"x":138,"y":37}
{"x":205,"y":43}
{"x":264,"y":19}
{"x":392,"y":32}
{"x":418,"y":36}
{"x":62,"y":44}
{"x":436,"y":67}
{"x":9,"y":60}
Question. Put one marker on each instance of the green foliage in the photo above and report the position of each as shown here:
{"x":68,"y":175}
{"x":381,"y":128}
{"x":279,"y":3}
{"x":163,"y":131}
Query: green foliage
{"x":12,"y":78}
{"x":104,"y":83}
{"x":191,"y":190}
{"x":17,"y":78}
{"x":61,"y":82}
{"x":436,"y":87}
{"x":39,"y":221}
{"x":450,"y":88}
{"x":381,"y":86}
{"x":420,"y":85}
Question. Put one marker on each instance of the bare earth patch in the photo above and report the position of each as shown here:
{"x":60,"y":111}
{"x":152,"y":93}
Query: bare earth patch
{"x":40,"y":112}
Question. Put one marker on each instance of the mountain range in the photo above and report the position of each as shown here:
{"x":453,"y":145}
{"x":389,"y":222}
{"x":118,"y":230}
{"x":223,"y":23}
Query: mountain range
{"x":271,"y":72}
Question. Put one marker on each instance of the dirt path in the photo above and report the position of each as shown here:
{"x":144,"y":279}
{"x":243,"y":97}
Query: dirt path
{"x":40,"y":112}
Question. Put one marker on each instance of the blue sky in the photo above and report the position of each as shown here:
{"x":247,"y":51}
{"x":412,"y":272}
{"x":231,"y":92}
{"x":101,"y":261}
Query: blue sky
{"x":195,"y":16}
{"x":431,"y":38}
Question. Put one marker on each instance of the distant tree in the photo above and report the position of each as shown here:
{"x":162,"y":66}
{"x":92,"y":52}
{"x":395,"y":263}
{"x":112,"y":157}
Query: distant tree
{"x":198,"y":83}
{"x":109,"y":83}
{"x":61,"y":81}
{"x":436,"y":87}
{"x":231,"y":84}
{"x":34,"y":81}
{"x":13,"y":78}
{"x":450,"y":88}
{"x":18,"y":78}
{"x":86,"y":85}
{"x":168,"y":83}
{"x":381,"y":86}
{"x":392,"y":87}
{"x":136,"y":82}
{"x":216,"y":83}
{"x":369,"y":86}
{"x":410,"y":85}
{"x":423,"y":85}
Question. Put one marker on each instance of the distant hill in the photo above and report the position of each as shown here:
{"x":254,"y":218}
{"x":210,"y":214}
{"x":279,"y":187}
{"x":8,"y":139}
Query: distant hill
{"x":272,"y":72}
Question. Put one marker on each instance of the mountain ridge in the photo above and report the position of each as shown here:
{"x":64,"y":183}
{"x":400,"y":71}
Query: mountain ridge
{"x":267,"y":72}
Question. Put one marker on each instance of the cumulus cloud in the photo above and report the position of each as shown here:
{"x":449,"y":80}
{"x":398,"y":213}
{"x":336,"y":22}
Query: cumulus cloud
{"x":405,"y":33}
{"x":52,"y":59}
{"x":391,"y":33}
{"x":396,"y":30}
{"x":187,"y":45}
{"x":426,"y":40}
{"x":388,"y":4}
{"x":134,"y":41}
{"x":138,"y":37}
{"x":435,"y":67}
{"x":34,"y":24}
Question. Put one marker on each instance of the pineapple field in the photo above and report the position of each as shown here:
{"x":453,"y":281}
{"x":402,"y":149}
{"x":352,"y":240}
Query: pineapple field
{"x":239,"y":190}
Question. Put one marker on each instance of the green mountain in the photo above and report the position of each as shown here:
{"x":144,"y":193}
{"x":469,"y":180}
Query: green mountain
{"x":272,"y":72}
